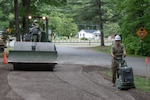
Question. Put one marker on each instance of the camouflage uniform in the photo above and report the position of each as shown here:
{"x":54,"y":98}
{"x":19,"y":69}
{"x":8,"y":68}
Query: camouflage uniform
{"x":36,"y":26}
{"x":116,"y":50}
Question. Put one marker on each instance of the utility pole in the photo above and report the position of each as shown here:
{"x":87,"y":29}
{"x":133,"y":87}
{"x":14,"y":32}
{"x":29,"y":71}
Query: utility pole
{"x":99,"y":2}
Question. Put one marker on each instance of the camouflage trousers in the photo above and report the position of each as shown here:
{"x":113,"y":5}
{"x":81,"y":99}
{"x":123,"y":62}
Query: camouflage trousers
{"x":39,"y":35}
{"x":114,"y":68}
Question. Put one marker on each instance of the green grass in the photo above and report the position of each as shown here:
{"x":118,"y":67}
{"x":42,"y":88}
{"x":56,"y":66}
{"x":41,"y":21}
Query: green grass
{"x":74,"y":40}
{"x":140,"y":82}
{"x":105,"y":49}
{"x":108,"y":73}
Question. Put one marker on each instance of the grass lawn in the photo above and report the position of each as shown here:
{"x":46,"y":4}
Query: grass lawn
{"x":140,"y":83}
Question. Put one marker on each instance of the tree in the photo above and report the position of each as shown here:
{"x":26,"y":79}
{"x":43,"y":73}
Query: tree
{"x":26,"y":7}
{"x":62,"y":26}
{"x":69,"y":28}
{"x":101,"y":21}
{"x":5,"y":13}
{"x":17,"y":19}
{"x":111,"y":28}
{"x":98,"y":12}
{"x":30,"y":7}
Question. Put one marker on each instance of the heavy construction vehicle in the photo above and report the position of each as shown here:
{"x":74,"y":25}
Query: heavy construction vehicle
{"x":2,"y":42}
{"x":2,"y":45}
{"x":33,"y":55}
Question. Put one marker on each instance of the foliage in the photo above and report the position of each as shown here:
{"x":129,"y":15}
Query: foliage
{"x":5,"y":36}
{"x":4,"y":13}
{"x":132,"y":45}
{"x":84,"y":38}
{"x":97,"y":13}
{"x":134,"y":15}
{"x":111,"y":28}
{"x":146,"y":49}
{"x":62,"y":26}
{"x":88,"y":13}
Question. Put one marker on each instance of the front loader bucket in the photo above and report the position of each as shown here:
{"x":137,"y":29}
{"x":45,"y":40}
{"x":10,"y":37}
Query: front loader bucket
{"x":24,"y":57}
{"x":32,"y":57}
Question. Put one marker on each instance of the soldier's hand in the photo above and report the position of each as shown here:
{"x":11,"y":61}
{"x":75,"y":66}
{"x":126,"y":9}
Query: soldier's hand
{"x":114,"y":57}
{"x":124,"y":55}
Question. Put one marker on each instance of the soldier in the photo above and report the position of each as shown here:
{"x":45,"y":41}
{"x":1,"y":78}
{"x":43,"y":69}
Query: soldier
{"x":36,"y":30}
{"x":116,"y":49}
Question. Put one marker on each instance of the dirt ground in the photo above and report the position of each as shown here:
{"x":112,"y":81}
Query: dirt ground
{"x":5,"y":69}
{"x":4,"y":87}
{"x":3,"y":82}
{"x":138,"y":95}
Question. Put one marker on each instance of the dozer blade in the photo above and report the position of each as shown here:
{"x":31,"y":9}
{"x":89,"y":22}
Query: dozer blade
{"x":23,"y":55}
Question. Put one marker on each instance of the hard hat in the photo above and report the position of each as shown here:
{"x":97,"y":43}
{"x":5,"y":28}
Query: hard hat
{"x":35,"y":21}
{"x":117,"y":37}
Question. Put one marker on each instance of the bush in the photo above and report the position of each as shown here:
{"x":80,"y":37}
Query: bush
{"x":146,"y":49}
{"x":133,"y":46}
{"x":84,"y":38}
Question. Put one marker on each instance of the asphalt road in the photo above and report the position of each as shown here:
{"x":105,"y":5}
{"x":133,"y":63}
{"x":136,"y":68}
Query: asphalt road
{"x":77,"y":55}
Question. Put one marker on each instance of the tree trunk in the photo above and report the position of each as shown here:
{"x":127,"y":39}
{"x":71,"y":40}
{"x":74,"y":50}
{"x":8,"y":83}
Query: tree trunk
{"x":17,"y":20}
{"x":26,"y":5}
{"x":101,"y":21}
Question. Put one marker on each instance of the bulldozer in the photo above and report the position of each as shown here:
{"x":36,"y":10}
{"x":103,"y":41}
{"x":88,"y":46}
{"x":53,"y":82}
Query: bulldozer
{"x":31,"y":54}
{"x":2,"y":45}
{"x":3,"y":39}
